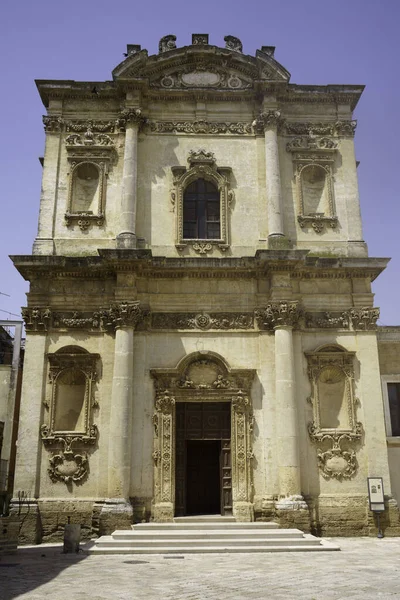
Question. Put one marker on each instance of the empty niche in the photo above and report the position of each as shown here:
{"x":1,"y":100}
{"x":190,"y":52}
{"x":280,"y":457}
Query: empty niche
{"x":333,"y":399}
{"x":315,"y":193}
{"x":70,"y":401}
{"x":86,"y":188}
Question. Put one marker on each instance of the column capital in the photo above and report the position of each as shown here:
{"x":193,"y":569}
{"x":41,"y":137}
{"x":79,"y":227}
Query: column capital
{"x":130,"y":116}
{"x":267,"y":120}
{"x":123,"y":314}
{"x":276,"y":315}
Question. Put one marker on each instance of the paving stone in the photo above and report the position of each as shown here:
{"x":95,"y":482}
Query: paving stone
{"x":365,"y":568}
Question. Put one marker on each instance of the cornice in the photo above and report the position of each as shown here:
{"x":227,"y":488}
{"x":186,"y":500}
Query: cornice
{"x":110,"y":262}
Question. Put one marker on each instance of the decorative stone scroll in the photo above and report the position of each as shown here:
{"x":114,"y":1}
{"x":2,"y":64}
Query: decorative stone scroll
{"x":233,"y":43}
{"x":201,"y":126}
{"x":72,"y":375}
{"x":168,"y":42}
{"x":334,"y":429}
{"x":202,"y":321}
{"x":202,"y":164}
{"x":278,"y":314}
{"x":53,"y":124}
{"x":202,"y":377}
{"x":199,"y":39}
{"x":364,"y":318}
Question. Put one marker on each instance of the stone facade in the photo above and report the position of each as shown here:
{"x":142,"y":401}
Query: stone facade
{"x":134,"y":317}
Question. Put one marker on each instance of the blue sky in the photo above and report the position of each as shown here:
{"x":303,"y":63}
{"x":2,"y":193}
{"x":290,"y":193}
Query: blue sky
{"x":319,"y":42}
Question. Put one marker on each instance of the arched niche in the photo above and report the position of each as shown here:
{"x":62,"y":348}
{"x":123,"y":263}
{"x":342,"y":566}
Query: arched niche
{"x":334,"y":427}
{"x":86,"y":187}
{"x":202,"y":377}
{"x":69,"y":425}
{"x":315,"y":190}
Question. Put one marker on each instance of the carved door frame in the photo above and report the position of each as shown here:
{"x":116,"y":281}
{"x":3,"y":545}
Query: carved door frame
{"x":202,"y":377}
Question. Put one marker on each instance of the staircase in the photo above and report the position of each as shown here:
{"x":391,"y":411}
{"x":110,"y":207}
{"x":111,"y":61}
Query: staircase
{"x":189,"y":535}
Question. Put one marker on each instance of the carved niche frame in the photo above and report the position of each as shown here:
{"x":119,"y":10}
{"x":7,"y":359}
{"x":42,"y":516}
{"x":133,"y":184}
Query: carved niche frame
{"x":319,"y":153}
{"x":98,"y":150}
{"x":68,"y":462}
{"x":202,"y":164}
{"x":335,"y":446}
{"x":230,"y":385}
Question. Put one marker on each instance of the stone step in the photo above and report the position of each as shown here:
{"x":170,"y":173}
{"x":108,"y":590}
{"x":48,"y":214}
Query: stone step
{"x":189,"y":535}
{"x":207,"y":534}
{"x":204,"y":526}
{"x":317,"y":547}
{"x":173,"y":543}
{"x":205,"y":519}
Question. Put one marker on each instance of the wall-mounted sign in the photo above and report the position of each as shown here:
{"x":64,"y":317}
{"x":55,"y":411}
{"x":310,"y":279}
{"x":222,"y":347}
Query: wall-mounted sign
{"x":375,"y":494}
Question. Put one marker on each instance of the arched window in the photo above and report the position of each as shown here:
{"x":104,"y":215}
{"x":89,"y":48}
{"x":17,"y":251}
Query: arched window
{"x":201,"y":211}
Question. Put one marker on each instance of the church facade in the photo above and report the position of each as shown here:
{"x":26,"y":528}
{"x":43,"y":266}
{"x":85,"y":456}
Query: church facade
{"x":201,"y":333}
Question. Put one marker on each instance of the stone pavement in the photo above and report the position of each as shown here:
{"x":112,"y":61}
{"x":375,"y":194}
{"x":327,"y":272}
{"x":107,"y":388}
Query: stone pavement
{"x":366,"y":568}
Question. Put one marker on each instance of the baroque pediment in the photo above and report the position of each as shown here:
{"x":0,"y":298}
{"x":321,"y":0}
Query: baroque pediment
{"x":200,"y":67}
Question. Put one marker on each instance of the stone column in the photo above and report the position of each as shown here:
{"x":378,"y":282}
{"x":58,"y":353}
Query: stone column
{"x":282,"y":317}
{"x":268,"y":122}
{"x":131,"y":120}
{"x":117,"y":511}
{"x":164,"y":457}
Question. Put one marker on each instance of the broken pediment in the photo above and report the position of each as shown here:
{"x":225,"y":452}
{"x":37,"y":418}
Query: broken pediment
{"x":201,"y":66}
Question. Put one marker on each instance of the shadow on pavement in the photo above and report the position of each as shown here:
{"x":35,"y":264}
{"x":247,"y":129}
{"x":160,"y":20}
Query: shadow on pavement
{"x":33,"y":566}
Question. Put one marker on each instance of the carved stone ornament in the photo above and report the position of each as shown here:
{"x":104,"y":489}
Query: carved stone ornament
{"x":53,"y":124}
{"x":123,"y":314}
{"x":202,"y":321}
{"x":36,"y":319}
{"x":199,"y":39}
{"x":233,"y":43}
{"x":201,"y":126}
{"x":355,"y":319}
{"x":68,"y":432}
{"x":364,"y":318}
{"x":334,"y":429}
{"x":168,"y":42}
{"x":78,"y":320}
{"x":202,"y":164}
{"x":202,"y":377}
{"x":279,"y":314}
{"x":339,"y":128}
{"x":266,"y":120}
{"x":131,"y":116}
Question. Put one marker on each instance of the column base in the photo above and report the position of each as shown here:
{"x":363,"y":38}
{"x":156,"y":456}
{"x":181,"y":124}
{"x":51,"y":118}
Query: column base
{"x":126,"y":240}
{"x":293,"y":511}
{"x":278,"y":241}
{"x":163,"y":512}
{"x":115,"y":513}
{"x":243,"y":512}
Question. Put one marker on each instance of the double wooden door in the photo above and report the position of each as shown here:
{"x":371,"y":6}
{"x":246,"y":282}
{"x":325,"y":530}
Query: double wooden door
{"x":203,"y":478}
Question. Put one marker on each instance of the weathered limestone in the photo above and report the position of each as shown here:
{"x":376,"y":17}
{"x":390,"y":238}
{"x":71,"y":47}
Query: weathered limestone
{"x":280,"y":229}
{"x":126,"y":237}
{"x":287,"y":436}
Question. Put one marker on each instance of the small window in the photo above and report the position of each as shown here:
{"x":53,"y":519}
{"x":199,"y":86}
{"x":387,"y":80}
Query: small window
{"x":201,"y":211}
{"x":393,"y":390}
